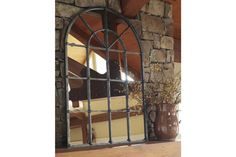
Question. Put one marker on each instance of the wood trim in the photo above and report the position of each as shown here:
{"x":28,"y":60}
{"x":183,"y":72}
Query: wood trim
{"x":177,"y":50}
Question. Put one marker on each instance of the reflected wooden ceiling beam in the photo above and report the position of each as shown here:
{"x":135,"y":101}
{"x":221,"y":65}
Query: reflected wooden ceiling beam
{"x":75,"y":67}
{"x":74,"y":123}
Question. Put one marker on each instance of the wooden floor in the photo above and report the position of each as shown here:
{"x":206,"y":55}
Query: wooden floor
{"x":167,"y":149}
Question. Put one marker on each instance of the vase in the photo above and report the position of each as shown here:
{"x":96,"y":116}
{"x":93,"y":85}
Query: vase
{"x":166,"y":123}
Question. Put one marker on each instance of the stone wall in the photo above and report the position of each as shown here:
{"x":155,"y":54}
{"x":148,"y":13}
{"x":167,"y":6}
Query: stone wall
{"x":156,"y":29}
{"x":158,"y":44}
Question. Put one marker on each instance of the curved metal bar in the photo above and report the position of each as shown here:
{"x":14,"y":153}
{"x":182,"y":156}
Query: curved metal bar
{"x":118,"y":37}
{"x":108,"y":76}
{"x":91,"y":30}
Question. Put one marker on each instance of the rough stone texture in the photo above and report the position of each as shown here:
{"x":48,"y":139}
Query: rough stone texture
{"x":153,"y":76}
{"x":59,"y":56}
{"x":57,"y":73}
{"x":155,"y":7}
{"x":146,"y":77}
{"x":115,"y":5}
{"x":59,"y":23}
{"x":158,"y":56}
{"x":60,"y":102}
{"x":147,"y":36}
{"x":90,"y":3}
{"x":57,"y":65}
{"x":170,"y":55}
{"x":168,"y":66}
{"x":62,"y":69}
{"x":168,"y":10}
{"x":57,"y":41}
{"x":147,"y":46}
{"x":167,"y":42}
{"x":66,"y":1}
{"x":169,"y":31}
{"x":157,"y":41}
{"x":137,"y":25}
{"x":169,"y":70}
{"x":152,"y":24}
{"x":59,"y":84}
{"x":65,"y":10}
{"x":60,"y":105}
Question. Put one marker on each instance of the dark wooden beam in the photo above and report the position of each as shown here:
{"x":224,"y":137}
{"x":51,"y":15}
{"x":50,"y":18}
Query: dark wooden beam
{"x":177,"y":50}
{"x":131,"y":8}
{"x":75,"y":66}
{"x":116,"y":115}
{"x":74,"y":123}
{"x":98,"y":90}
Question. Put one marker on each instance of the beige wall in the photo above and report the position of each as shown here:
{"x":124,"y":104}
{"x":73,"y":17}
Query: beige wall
{"x":119,"y":130}
{"x":75,"y":52}
{"x":116,"y":103}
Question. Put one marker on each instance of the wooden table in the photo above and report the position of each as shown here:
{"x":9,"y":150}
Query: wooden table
{"x":165,"y":149}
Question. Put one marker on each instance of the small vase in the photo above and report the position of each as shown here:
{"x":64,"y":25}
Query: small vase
{"x":166,"y":123}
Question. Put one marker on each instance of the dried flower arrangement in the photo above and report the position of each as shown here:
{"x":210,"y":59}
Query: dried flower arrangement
{"x":163,"y":90}
{"x":135,"y":93}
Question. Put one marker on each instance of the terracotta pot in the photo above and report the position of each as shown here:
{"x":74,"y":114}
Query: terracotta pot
{"x":166,"y":123}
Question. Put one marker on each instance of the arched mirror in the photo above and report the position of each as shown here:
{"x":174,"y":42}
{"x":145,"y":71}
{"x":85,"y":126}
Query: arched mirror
{"x":105,"y":79}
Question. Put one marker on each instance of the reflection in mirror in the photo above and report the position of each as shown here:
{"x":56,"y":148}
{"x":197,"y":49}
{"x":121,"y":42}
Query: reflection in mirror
{"x":97,"y":63}
{"x":99,"y":107}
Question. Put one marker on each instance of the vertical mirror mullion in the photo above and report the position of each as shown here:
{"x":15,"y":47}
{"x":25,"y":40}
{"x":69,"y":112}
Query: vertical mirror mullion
{"x":127,"y":96}
{"x":108,"y":74}
{"x":143,"y":98}
{"x":89,"y":98}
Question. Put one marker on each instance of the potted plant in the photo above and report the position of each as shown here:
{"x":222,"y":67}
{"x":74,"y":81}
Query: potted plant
{"x":165,"y":94}
{"x":166,"y":123}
